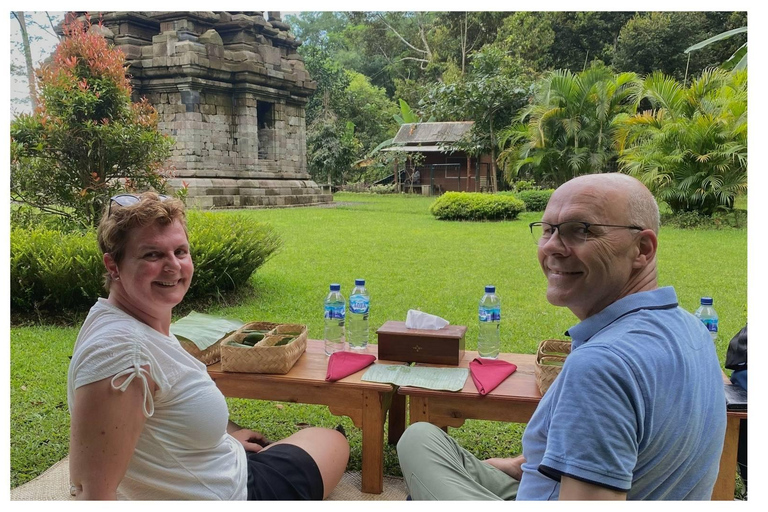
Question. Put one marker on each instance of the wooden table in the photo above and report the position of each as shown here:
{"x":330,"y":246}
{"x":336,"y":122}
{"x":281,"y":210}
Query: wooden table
{"x":515,"y":399}
{"x":365,"y":403}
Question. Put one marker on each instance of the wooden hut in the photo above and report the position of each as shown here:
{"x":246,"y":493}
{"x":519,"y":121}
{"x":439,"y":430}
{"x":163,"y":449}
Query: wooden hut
{"x":443,"y":167}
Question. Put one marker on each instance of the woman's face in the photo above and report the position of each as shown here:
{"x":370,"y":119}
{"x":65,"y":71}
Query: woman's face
{"x":156,"y":270}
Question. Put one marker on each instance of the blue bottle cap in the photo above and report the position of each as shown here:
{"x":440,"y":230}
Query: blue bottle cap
{"x":706,"y":301}
{"x":335,"y":287}
{"x":359,"y":282}
{"x":490,"y":289}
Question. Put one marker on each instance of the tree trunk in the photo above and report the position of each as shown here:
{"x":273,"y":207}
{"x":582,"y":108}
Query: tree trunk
{"x":494,"y":186}
{"x":27,"y":57}
{"x":464,"y":37}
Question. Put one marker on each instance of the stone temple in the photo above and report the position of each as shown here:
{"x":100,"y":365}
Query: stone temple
{"x":231,"y":89}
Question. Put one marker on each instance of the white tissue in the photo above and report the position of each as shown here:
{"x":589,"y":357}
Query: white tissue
{"x":420,"y":320}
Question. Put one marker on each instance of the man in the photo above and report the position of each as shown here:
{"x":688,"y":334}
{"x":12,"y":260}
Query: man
{"x":638,"y":411}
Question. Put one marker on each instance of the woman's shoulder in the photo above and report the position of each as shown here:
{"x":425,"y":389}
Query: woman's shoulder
{"x":111,"y":341}
{"x":106,"y":323}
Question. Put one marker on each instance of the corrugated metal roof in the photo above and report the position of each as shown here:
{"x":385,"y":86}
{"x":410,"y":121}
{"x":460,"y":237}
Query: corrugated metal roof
{"x":413,"y":133}
{"x":420,"y":149}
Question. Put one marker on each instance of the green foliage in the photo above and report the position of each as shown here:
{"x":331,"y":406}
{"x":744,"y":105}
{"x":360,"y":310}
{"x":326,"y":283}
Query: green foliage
{"x":383,"y":189}
{"x":690,"y":148}
{"x":332,"y":148}
{"x":369,"y":109}
{"x":656,"y":41}
{"x":568,"y":128}
{"x":696,"y":220}
{"x":476,"y":206}
{"x":227,"y":249}
{"x":53,"y":270}
{"x":550,"y":40}
{"x":332,"y":82}
{"x":738,"y":60}
{"x":535,"y":200}
{"x":521,"y":185}
{"x":86,"y":141}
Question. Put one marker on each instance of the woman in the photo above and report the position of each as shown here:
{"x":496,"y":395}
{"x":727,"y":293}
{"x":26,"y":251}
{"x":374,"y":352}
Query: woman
{"x":145,"y":415}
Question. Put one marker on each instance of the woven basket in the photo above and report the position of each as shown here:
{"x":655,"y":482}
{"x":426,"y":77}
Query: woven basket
{"x":210,"y":355}
{"x":549,"y":351}
{"x":264,"y":357}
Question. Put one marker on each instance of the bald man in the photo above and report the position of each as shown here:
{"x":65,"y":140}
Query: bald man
{"x":638,"y":410}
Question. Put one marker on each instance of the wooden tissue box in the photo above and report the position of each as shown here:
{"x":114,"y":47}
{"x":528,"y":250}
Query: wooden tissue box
{"x":441,"y":346}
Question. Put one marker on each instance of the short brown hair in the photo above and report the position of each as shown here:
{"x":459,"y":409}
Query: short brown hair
{"x":117,"y":221}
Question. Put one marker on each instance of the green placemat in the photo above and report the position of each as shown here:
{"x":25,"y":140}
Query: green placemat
{"x":444,"y":379}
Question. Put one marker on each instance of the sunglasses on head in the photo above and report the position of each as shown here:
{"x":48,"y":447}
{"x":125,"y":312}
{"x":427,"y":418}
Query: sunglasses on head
{"x":128,"y":200}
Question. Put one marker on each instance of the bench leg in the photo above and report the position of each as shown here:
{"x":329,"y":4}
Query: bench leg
{"x":725,"y":485}
{"x":396,"y":419}
{"x":373,"y":443}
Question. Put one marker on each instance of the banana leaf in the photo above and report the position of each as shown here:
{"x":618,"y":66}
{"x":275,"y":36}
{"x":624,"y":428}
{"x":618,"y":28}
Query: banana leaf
{"x":204,"y":330}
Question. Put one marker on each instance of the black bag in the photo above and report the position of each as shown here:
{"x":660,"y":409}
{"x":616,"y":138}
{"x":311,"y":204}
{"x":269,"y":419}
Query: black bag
{"x":736,"y":357}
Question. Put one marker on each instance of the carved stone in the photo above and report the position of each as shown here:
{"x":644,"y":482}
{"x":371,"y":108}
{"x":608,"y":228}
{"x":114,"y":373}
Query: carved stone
{"x":231,"y":89}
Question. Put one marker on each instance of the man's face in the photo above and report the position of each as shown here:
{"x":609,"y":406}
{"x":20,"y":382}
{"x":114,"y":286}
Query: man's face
{"x":587,"y":276}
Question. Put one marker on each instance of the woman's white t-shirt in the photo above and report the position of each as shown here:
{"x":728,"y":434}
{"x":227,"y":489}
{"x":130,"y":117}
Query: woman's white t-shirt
{"x":184,"y":451}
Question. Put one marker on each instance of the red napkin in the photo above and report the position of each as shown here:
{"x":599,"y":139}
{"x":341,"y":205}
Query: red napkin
{"x":343,"y":364}
{"x":489,"y":373}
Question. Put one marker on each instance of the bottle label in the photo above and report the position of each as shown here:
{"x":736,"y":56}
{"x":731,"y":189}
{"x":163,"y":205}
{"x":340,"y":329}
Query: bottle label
{"x":710,"y":324}
{"x":489,"y":314}
{"x":335,"y":312}
{"x":358,"y":304}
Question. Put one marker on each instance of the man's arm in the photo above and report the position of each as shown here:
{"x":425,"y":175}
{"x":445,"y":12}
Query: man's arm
{"x":573,"y":489}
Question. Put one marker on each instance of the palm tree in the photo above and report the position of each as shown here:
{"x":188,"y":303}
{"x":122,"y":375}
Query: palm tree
{"x":567,"y":130}
{"x":690,"y":148}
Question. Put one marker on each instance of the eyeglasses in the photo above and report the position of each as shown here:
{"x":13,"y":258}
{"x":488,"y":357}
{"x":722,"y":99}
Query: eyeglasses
{"x":571,"y":232}
{"x":128,"y":200}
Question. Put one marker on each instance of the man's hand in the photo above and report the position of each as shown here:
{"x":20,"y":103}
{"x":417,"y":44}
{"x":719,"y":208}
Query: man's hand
{"x":251,"y":440}
{"x":511,"y":466}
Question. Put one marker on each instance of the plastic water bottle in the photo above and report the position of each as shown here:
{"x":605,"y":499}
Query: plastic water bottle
{"x":335,"y":307}
{"x":357,"y":323}
{"x":489,"y":312}
{"x":707,"y":314}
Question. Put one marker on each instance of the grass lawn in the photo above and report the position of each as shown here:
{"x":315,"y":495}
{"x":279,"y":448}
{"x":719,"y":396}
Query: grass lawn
{"x":409,"y":260}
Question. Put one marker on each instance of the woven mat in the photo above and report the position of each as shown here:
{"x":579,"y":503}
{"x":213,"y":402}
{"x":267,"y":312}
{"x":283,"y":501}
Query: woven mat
{"x":53,"y":485}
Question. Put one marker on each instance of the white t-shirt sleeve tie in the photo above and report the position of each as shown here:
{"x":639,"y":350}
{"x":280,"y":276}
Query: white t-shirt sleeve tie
{"x":130,"y":374}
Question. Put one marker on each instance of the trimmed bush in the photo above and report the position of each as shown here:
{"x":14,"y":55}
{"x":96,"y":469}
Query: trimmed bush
{"x":226,"y":248}
{"x":56,"y":271}
{"x":476,"y":206}
{"x":52,"y":270}
{"x":535,"y":200}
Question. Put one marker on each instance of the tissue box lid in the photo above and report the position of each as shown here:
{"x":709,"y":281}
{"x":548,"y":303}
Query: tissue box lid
{"x":440,"y":346}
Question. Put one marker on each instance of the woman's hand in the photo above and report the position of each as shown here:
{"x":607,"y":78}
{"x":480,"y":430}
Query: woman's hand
{"x":251,"y":440}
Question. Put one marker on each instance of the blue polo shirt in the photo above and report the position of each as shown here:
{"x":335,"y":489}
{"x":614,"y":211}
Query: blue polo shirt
{"x":638,"y":406}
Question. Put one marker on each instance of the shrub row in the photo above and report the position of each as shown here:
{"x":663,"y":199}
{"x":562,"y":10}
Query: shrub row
{"x":476,"y":206}
{"x":53,"y":270}
{"x":535,"y":200}
{"x":694,"y":220}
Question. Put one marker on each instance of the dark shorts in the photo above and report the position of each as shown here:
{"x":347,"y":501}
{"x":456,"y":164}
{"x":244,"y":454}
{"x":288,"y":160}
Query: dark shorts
{"x":284,"y":472}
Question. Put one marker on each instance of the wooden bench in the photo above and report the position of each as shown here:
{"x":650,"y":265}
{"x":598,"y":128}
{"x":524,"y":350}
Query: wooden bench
{"x":365,"y":403}
{"x":515,"y":400}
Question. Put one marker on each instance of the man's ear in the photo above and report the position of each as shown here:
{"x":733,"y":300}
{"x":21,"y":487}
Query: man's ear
{"x":646,"y":244}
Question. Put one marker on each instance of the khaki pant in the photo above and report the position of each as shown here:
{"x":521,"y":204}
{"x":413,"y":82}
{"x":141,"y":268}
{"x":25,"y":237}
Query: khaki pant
{"x":435,"y":467}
